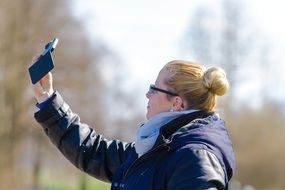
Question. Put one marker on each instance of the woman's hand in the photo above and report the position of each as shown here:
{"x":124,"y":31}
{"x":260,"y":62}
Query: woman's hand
{"x":43,"y":89}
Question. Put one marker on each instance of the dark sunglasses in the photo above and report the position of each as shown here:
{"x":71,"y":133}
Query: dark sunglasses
{"x":152,"y":88}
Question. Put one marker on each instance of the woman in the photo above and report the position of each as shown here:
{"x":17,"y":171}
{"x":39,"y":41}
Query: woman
{"x":183,"y":144}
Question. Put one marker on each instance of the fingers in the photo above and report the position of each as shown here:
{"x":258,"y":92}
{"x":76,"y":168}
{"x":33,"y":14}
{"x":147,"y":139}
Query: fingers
{"x":47,"y":79}
{"x":37,"y":88}
{"x":43,"y":89}
{"x":46,"y":82}
{"x":38,"y":91}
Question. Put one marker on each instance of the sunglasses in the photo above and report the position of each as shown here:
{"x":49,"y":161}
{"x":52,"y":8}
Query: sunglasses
{"x":152,"y":89}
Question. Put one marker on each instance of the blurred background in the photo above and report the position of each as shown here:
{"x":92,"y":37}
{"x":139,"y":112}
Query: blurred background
{"x":108,"y":54}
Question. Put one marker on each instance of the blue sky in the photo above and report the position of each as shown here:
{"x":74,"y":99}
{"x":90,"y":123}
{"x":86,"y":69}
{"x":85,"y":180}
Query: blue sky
{"x":147,"y":34}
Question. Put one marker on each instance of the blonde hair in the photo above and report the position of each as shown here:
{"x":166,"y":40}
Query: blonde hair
{"x":198,"y":86}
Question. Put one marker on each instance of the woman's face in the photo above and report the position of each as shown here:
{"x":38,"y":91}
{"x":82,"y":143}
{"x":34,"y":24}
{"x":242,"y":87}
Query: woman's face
{"x":157,"y":101}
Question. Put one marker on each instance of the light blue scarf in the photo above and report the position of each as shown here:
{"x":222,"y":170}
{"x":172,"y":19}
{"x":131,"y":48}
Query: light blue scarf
{"x":149,"y":131}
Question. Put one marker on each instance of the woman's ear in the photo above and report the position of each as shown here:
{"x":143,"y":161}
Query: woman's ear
{"x":177,"y":104}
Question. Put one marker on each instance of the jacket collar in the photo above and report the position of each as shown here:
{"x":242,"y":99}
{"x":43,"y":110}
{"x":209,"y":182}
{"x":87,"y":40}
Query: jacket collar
{"x":170,"y":128}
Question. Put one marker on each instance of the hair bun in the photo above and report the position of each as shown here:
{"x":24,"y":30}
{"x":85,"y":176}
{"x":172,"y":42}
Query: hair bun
{"x":215,"y":81}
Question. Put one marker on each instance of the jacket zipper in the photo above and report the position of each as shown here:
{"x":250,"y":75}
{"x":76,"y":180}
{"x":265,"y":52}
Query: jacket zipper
{"x":147,"y":155}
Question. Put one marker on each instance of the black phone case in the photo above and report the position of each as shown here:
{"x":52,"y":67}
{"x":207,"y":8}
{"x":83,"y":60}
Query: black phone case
{"x":40,"y":68}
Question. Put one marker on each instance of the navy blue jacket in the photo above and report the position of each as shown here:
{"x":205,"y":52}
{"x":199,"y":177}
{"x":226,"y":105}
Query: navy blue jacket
{"x":192,"y":152}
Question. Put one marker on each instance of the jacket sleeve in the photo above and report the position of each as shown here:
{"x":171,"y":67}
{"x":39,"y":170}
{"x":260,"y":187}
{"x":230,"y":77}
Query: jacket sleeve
{"x":79,"y":143}
{"x":199,"y":170}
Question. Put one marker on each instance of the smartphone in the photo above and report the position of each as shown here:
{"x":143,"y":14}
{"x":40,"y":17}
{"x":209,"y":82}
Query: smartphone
{"x":44,"y":64}
{"x":49,"y":47}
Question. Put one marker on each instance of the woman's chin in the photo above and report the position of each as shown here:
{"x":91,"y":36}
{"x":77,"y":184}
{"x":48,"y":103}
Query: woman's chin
{"x":147,"y":115}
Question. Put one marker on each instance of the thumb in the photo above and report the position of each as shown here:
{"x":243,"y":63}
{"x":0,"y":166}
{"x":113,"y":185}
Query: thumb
{"x":43,"y":89}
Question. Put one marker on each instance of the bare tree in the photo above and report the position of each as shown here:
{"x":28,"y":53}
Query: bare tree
{"x":199,"y":40}
{"x":236,"y":46}
{"x":221,"y":38}
{"x":25,"y":28}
